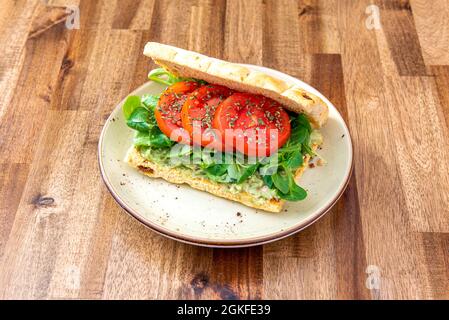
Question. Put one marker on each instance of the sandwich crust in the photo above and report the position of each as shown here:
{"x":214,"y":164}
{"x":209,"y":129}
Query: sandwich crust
{"x":190,"y":64}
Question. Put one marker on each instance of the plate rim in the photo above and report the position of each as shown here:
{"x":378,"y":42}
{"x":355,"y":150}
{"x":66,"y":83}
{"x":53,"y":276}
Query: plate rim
{"x":255,"y":241}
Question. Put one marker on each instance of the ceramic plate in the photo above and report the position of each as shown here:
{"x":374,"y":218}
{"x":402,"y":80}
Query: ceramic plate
{"x":196,"y":217}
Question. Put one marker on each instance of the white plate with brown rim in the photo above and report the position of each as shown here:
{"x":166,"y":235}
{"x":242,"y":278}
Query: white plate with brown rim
{"x":196,"y":217}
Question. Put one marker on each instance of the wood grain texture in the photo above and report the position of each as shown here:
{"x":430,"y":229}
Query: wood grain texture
{"x":12,"y":181}
{"x":15,"y":25}
{"x":244,"y":31}
{"x":63,"y":236}
{"x":431,"y":20}
{"x":441,"y":74}
{"x":399,"y":27}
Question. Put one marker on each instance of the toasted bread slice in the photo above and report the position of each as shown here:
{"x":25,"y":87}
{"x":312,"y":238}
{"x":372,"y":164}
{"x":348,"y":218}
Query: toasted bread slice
{"x":194,"y":65}
{"x":181,"y":175}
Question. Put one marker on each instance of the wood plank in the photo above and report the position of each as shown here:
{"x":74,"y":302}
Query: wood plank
{"x":433,"y":247}
{"x":431,"y":20}
{"x":135,"y":264}
{"x":13,"y":178}
{"x":63,"y":3}
{"x":91,"y":75}
{"x":346,"y":225}
{"x":82,"y":219}
{"x":419,"y":126}
{"x":383,"y":206}
{"x":351,"y":265}
{"x":309,"y":23}
{"x":14,"y":25}
{"x":146,"y":265}
{"x":113,"y":14}
{"x":45,"y":209}
{"x":237,"y":273}
{"x":73,"y":72}
{"x":133,"y":15}
{"x":96,"y":261}
{"x":171,"y":26}
{"x":244,"y":29}
{"x":100,"y":91}
{"x":46,"y":17}
{"x":330,"y":36}
{"x":441,"y":74}
{"x":436,"y":248}
{"x":61,"y":227}
{"x":125,"y":11}
{"x":298,"y":25}
{"x":35,"y":85}
{"x":294,"y":267}
{"x":143,"y":64}
{"x":399,"y":27}
{"x":207,"y":20}
{"x":97,"y":14}
{"x":281,"y":45}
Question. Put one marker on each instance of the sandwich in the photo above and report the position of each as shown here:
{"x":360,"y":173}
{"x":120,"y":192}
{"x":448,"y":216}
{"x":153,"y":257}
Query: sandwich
{"x":225,"y":129}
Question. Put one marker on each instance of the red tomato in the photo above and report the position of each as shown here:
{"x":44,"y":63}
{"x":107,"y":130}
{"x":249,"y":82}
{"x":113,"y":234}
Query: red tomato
{"x":257,"y":126}
{"x":198,"y":112}
{"x":168,"y":111}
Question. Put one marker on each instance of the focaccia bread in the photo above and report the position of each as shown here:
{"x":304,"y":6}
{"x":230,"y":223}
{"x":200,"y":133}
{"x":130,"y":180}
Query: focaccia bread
{"x":190,"y":64}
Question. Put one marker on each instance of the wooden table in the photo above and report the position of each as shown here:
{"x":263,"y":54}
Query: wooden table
{"x":63,"y":236}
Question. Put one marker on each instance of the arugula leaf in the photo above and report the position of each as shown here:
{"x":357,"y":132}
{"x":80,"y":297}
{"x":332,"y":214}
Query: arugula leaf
{"x":296,"y":193}
{"x":268,"y":180}
{"x":295,"y":159}
{"x":281,"y":182}
{"x":157,"y":75}
{"x":138,"y":120}
{"x":131,"y":103}
{"x":150,"y":101}
{"x":216,"y":169}
{"x":154,"y":138}
{"x":159,"y":139}
{"x":290,"y":158}
{"x":166,"y":78}
{"x":269,"y":165}
{"x":142,"y":139}
{"x":247,"y":172}
{"x":239,"y":172}
{"x":234,"y":171}
{"x":140,"y":116}
{"x":300,"y":136}
{"x":302,"y":121}
{"x":308,"y":149}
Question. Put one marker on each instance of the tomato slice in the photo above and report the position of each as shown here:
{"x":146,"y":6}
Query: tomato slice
{"x":198,"y":113}
{"x":257,"y":125}
{"x":168,"y":111}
